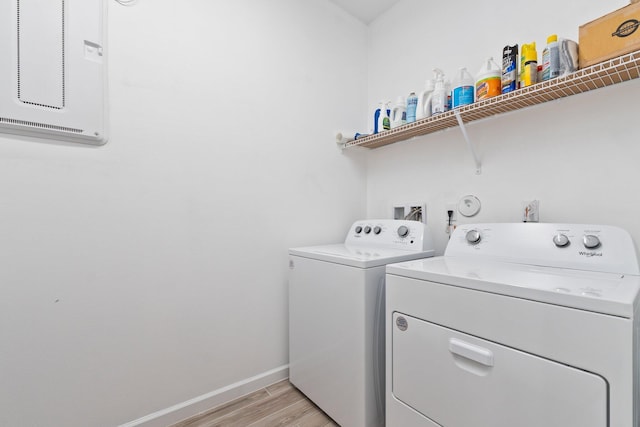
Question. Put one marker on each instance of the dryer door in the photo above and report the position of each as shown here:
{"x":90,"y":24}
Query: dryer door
{"x":458,"y":380}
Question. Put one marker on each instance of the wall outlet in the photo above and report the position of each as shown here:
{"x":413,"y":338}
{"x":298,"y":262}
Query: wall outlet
{"x":451,"y":207}
{"x":415,"y":211}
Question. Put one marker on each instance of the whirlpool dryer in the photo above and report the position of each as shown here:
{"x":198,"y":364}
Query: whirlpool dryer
{"x":524,"y":325}
{"x":336,"y":317}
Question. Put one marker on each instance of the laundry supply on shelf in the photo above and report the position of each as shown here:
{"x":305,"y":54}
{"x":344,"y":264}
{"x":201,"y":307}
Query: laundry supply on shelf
{"x":399,"y":113}
{"x":412,"y":105}
{"x":528,"y":65}
{"x":439,"y":97}
{"x":509,"y":68}
{"x":463,"y":89}
{"x":423,"y":109}
{"x":551,"y":58}
{"x":488,"y":80}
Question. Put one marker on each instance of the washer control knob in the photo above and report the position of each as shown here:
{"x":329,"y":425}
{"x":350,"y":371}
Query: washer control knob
{"x":358,"y":230}
{"x":403,"y":231}
{"x":377,"y":229}
{"x":561,"y":240}
{"x":590,"y":241}
{"x":367,"y":230}
{"x":473,"y":237}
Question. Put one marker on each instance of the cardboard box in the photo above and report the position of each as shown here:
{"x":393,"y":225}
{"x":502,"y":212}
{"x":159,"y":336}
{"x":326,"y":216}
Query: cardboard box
{"x":609,"y":36}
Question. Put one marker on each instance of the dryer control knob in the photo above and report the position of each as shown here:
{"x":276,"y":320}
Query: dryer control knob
{"x":367,"y":230}
{"x":377,"y":230}
{"x":403,"y":231}
{"x":358,"y":230}
{"x":473,"y":237}
{"x":590,"y":241}
{"x":561,"y":240}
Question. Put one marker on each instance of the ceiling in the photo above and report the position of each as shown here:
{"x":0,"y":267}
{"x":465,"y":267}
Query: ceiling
{"x":365,"y":10}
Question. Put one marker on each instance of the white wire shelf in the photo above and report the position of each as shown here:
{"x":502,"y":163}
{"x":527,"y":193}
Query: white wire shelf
{"x":617,"y":70}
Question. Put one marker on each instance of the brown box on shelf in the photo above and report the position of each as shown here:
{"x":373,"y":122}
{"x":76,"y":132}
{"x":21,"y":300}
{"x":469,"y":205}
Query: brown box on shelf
{"x":609,"y":36}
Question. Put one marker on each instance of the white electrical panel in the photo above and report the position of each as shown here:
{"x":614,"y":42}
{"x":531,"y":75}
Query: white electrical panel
{"x":53,"y":69}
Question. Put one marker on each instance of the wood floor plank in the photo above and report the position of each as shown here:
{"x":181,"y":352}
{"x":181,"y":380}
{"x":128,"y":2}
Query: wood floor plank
{"x":279,"y":387}
{"x":224,"y":409}
{"x":257,"y":411}
{"x":315,"y":419}
{"x":287,"y":416}
{"x":277,"y":405}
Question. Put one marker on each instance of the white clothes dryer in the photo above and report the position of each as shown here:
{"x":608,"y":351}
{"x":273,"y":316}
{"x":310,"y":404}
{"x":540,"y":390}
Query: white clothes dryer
{"x":522,"y":325}
{"x":336,"y":317}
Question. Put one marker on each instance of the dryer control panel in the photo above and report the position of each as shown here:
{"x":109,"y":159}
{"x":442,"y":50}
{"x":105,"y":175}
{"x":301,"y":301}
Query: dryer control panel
{"x":601,"y":248}
{"x":390,"y":233}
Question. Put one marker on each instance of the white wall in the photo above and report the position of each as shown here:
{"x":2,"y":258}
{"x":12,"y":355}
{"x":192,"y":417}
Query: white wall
{"x":578,"y":156}
{"x":152,"y":270}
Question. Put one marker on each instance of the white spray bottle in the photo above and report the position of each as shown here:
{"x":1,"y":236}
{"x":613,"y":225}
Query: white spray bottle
{"x":439,"y":96}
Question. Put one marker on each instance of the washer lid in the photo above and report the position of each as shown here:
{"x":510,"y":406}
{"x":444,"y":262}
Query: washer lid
{"x":359,"y":256}
{"x":607,"y":293}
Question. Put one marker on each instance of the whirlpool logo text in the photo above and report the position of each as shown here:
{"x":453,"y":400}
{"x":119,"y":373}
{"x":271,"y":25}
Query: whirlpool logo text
{"x":590,"y":254}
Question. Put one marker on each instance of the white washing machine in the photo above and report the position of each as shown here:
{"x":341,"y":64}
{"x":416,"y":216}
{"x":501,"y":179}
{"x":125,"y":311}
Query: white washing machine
{"x":525,"y":325}
{"x":336,"y":317}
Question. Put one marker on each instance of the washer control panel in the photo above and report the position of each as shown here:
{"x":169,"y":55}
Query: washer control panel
{"x":388,"y":233}
{"x":587,"y":247}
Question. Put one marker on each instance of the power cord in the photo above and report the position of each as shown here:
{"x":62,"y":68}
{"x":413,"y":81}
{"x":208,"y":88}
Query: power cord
{"x":448,"y":230}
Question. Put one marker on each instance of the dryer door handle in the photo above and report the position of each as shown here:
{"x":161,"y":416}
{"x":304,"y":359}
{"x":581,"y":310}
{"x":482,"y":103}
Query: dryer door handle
{"x":471,"y":352}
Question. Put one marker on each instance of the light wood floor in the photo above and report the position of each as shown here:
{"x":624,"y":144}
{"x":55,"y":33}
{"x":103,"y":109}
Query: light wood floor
{"x":280,"y":404}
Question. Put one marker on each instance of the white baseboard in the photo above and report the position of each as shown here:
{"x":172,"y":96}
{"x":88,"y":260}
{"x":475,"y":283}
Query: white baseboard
{"x":181,"y":411}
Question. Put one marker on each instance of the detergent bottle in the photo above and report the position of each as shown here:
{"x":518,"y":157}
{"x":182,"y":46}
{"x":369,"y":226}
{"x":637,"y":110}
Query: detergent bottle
{"x":488,"y":80}
{"x":423,"y":109}
{"x":399,"y":113}
{"x":378,"y":117}
{"x":463,"y":89}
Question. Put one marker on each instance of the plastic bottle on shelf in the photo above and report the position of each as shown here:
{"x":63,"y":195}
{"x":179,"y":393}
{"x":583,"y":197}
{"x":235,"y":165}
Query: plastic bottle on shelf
{"x":412,"y":104}
{"x":488,"y":80}
{"x":386,"y":120}
{"x":399,"y":113}
{"x":423,"y":109}
{"x":439,"y":96}
{"x":528,"y":65}
{"x":463,"y":89}
{"x":378,"y":118}
{"x":510,"y":68}
{"x":551,"y":58}
{"x":377,"y":121}
{"x":539,"y":73}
